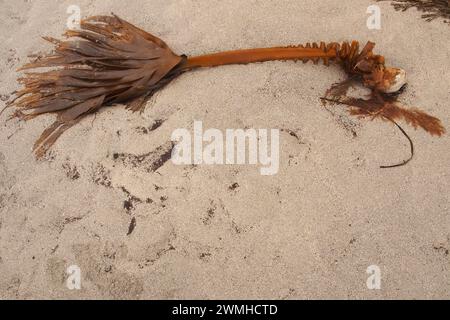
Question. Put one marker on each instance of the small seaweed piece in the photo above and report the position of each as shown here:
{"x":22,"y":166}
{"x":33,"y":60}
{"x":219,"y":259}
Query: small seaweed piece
{"x":131,"y":226}
{"x":359,"y":107}
{"x":432,"y":9}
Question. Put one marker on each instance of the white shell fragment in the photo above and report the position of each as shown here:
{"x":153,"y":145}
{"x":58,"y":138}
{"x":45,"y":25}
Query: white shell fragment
{"x":398,"y":82}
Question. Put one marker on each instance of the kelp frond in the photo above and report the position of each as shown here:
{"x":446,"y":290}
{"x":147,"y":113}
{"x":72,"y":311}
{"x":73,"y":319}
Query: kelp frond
{"x":108,"y":61}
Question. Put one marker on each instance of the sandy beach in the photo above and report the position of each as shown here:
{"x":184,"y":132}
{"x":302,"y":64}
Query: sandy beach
{"x":137,"y":230}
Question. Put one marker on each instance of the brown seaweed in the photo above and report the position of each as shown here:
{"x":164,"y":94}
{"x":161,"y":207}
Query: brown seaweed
{"x":109,"y":61}
{"x":432,"y":9}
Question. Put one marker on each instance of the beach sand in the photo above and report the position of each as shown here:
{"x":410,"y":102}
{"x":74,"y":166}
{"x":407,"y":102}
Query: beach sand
{"x":228,"y":232}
